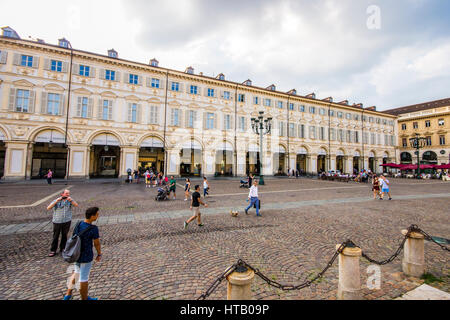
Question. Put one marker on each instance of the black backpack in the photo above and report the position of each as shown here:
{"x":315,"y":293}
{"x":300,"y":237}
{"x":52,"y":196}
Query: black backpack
{"x":72,"y":252}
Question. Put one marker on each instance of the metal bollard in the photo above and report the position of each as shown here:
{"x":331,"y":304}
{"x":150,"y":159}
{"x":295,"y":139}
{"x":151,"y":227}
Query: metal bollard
{"x":239,"y":284}
{"x":413,"y":263}
{"x":349,"y":287}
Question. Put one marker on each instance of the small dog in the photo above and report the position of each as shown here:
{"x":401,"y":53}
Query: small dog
{"x":234,"y":214}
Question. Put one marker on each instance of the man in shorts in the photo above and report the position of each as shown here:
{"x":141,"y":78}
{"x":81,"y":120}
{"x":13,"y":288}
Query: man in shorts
{"x":84,"y":264}
{"x":173,"y":187}
{"x":195,"y":205}
{"x":385,"y":188}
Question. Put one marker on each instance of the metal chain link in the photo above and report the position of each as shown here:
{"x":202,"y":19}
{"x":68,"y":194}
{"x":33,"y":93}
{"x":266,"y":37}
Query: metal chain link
{"x":348,"y":243}
{"x":216,"y":283}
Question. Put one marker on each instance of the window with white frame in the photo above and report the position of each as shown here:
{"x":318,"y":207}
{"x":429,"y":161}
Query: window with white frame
{"x":176,"y":117}
{"x":356,"y":117}
{"x":441,"y":122}
{"x":301,"y":131}
{"x":322,"y":111}
{"x":22,"y":100}
{"x":56,"y":66}
{"x":372,"y":138}
{"x":331,"y":113}
{"x":280,"y":104}
{"x":291,"y":107}
{"x":341,"y":135}
{"x":193,"y":89}
{"x":242,"y":124}
{"x":210,"y":120}
{"x":349,"y":136}
{"x":53,"y":104}
{"x":110,"y":75}
{"x":312,"y":110}
{"x":227,"y":122}
{"x":332,"y":134}
{"x":133,"y":79}
{"x":267,"y":102}
{"x":83,"y":107}
{"x":155,"y":83}
{"x":106,"y":110}
{"x":281,"y":128}
{"x":291,"y":130}
{"x":256,"y":100}
{"x":26,"y":61}
{"x":348,"y":116}
{"x":241,"y":97}
{"x":356,"y":136}
{"x":154,"y":114}
{"x":227,"y":95}
{"x":340,"y":115}
{"x":191,"y":117}
{"x":175,"y":86}
{"x":442,"y":140}
{"x":133,"y":113}
{"x":210,"y":92}
{"x":85,"y":71}
{"x":322,"y":133}
{"x":301,"y":108}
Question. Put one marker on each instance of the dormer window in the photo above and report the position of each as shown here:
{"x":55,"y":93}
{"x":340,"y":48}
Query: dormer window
{"x":311,"y":96}
{"x":63,"y":43}
{"x":113,"y":53}
{"x":154,"y":63}
{"x":10,"y":33}
{"x":293,"y":92}
{"x":190,"y":70}
{"x":221,"y":77}
{"x":248,"y":82}
{"x":271,"y":88}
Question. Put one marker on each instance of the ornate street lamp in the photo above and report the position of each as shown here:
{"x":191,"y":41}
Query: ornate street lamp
{"x":418,"y":143}
{"x":261,"y":127}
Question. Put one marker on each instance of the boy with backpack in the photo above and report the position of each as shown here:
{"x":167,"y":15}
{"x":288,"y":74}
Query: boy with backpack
{"x":88,"y":236}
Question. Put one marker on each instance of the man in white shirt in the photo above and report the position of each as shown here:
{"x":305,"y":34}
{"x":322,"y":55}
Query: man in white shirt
{"x":254,"y":200}
{"x":385,"y":187}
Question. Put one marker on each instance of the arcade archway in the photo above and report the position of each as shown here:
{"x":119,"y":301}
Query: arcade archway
{"x":49,"y":152}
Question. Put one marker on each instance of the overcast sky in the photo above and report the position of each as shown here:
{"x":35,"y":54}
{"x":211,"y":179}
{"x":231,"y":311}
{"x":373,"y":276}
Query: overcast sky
{"x":394,"y":54}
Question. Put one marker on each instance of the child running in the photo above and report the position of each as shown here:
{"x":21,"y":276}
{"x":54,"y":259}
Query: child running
{"x":195,"y":204}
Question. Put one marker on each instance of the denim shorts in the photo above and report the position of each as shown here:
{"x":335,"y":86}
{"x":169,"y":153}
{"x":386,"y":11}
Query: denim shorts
{"x":385,"y":190}
{"x":83,"y":269}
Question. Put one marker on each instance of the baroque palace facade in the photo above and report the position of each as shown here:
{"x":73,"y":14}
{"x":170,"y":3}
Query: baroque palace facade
{"x":87,"y":115}
{"x":430,"y":120}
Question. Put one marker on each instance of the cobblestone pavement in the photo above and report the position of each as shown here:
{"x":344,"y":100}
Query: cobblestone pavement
{"x":148,"y":255}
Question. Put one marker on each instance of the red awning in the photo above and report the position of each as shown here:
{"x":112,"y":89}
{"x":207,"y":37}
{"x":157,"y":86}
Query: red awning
{"x":443,"y":166}
{"x":391,"y":165}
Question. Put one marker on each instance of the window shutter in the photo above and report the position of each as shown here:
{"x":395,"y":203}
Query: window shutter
{"x":16,"y":60}
{"x":117,"y":77}
{"x":110,"y":110}
{"x":65,"y":67}
{"x":79,"y":106}
{"x":205,"y":92}
{"x":12,"y":99}
{"x":100,"y":109}
{"x":204,"y":120}
{"x":62,"y":104}
{"x":31,"y":101}
{"x":90,"y":107}
{"x":187,"y":118}
{"x":3,"y":57}
{"x":76,"y":69}
{"x":215,"y":121}
{"x":162,"y":83}
{"x":181,"y":87}
{"x":140,"y":80}
{"x":46,"y":64}
{"x":232,"y":122}
{"x":126,"y":77}
{"x":35,"y":62}
{"x":157,"y":115}
{"x":130,"y":113}
{"x":92,"y":72}
{"x":148,"y":82}
{"x":102,"y":74}
{"x":44,"y":103}
{"x":138,"y":113}
{"x":225,"y":122}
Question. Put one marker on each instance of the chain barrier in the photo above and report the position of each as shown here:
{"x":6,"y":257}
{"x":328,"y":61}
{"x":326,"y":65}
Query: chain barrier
{"x":242,"y":265}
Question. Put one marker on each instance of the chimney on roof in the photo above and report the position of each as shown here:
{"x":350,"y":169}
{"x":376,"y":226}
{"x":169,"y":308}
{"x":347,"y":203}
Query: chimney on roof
{"x":311,"y":96}
{"x":247,"y":82}
{"x":293,"y":92}
{"x":271,"y":88}
{"x":373,"y":108}
{"x":345,"y":102}
{"x":189,"y":70}
{"x":154,"y":62}
{"x":113,"y":53}
{"x":329,"y":99}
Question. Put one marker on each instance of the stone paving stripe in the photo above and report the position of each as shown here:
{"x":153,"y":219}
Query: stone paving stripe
{"x":47,"y":226}
{"x":37,"y":202}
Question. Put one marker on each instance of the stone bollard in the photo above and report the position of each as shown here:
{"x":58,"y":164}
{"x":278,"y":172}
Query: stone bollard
{"x":239,"y":284}
{"x":413,"y":263}
{"x":349,"y":287}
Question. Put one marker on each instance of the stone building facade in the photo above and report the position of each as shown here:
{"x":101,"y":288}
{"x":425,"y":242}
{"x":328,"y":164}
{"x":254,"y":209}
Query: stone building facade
{"x":87,"y":115}
{"x":430,"y":120}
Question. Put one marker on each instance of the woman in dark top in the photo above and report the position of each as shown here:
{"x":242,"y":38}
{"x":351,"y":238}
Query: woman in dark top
{"x":187,"y":189}
{"x":84,"y":264}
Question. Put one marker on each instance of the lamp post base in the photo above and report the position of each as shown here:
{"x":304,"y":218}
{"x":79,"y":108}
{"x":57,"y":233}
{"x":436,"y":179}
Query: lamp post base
{"x":261,"y":181}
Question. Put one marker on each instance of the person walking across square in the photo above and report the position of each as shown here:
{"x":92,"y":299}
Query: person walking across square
{"x":62,"y":219}
{"x":83,"y":266}
{"x":195,"y":205}
{"x":205,"y":187}
{"x":254,"y":200}
{"x":173,"y":187}
{"x":385,"y":188}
